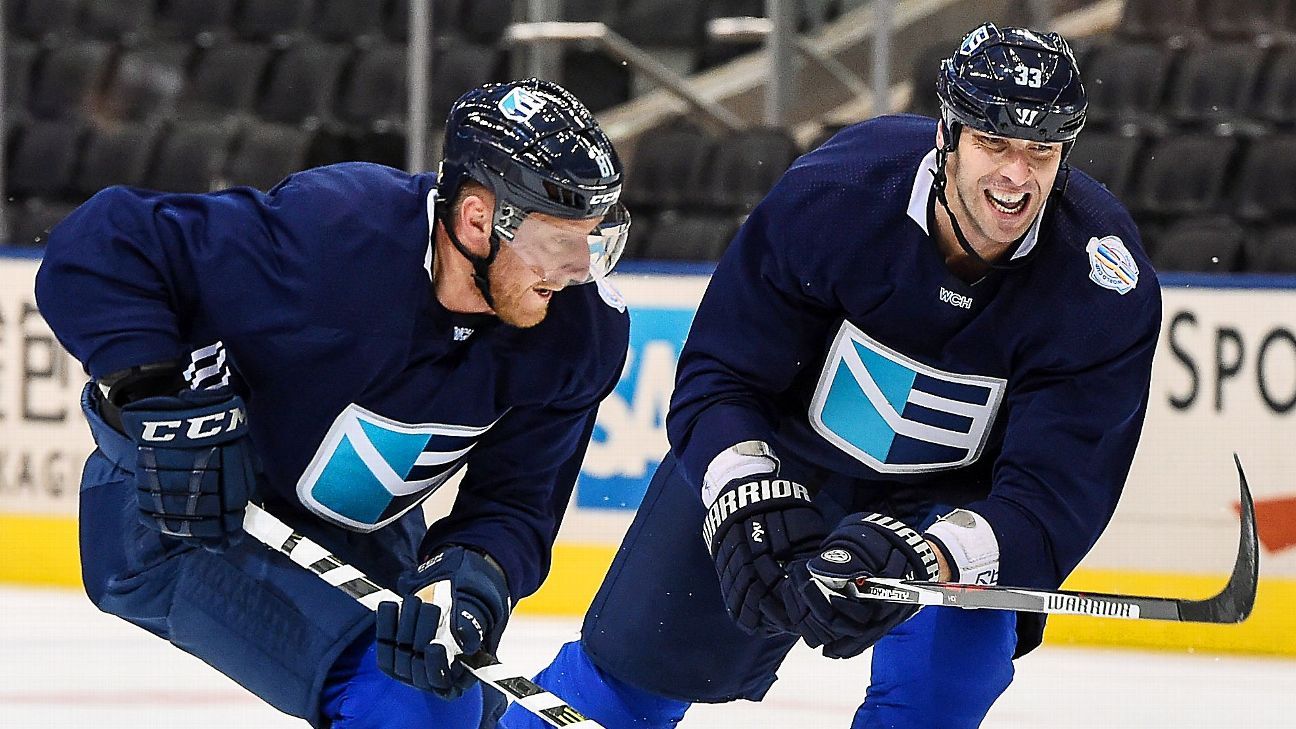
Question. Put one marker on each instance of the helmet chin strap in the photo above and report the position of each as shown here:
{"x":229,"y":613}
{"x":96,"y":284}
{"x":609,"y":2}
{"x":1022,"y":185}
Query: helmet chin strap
{"x":481,"y":264}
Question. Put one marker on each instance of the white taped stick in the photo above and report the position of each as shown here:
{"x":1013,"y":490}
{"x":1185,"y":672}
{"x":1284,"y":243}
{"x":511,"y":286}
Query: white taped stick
{"x":268,"y":530}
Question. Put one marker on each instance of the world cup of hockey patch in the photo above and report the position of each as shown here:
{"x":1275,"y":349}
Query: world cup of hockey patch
{"x":897,"y":415}
{"x":1111,"y":266}
{"x":369,"y":470}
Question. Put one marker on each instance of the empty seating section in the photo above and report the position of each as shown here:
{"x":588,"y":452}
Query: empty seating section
{"x":1192,"y":124}
{"x":1192,"y":108}
{"x":192,"y":95}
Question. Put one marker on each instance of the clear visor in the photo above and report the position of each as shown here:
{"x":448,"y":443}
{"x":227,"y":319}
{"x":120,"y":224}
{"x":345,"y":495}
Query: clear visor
{"x":566,"y":252}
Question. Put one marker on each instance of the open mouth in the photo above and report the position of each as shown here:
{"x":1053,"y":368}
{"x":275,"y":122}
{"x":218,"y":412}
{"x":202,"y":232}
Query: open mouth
{"x":1008,"y":203}
{"x":545,"y":294}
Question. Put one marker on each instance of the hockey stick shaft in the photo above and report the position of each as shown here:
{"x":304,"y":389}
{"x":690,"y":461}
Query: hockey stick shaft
{"x":1232,"y":605}
{"x":273,"y":533}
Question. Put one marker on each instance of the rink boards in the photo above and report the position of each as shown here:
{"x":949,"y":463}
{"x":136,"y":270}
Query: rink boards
{"x":1224,"y":380}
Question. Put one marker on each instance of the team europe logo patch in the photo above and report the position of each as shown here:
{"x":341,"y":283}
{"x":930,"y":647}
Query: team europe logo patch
{"x":1111,"y":266}
{"x":897,"y":415}
{"x":369,"y":470}
{"x":521,"y":104}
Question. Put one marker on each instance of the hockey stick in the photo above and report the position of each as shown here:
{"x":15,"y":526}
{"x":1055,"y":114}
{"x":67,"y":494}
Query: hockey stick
{"x":268,"y":530}
{"x":1232,"y":605}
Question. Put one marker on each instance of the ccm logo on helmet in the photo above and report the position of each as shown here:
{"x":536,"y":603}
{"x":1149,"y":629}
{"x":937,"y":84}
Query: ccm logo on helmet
{"x":203,"y":426}
{"x":607,"y":197}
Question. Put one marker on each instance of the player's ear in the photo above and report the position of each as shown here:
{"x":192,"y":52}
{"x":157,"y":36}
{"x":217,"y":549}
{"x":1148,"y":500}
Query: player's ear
{"x":475,"y":217}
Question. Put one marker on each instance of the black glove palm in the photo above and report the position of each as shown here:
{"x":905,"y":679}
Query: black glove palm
{"x":754,"y":528}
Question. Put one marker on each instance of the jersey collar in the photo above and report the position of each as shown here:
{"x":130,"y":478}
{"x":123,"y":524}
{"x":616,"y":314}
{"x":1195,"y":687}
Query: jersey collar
{"x":920,"y":198}
{"x":431,"y":218}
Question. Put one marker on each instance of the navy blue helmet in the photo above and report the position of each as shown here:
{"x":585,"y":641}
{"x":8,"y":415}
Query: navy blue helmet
{"x":1012,"y":82}
{"x":535,"y":146}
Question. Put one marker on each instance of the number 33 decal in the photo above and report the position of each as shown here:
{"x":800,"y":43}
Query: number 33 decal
{"x":1032,"y":77}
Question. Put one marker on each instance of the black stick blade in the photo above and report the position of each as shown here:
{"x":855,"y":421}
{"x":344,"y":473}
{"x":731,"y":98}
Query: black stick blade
{"x":1234,"y":603}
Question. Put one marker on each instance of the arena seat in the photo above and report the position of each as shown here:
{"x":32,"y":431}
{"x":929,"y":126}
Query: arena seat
{"x":225,"y":80}
{"x":1263,"y":187}
{"x":1108,"y":158}
{"x":1204,"y":244}
{"x":190,"y":158}
{"x":302,"y":83}
{"x":1183,"y":174}
{"x":117,"y":155}
{"x":44,"y":159}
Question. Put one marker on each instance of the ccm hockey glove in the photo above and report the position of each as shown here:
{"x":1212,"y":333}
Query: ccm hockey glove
{"x":862,"y":545}
{"x":757,"y":525}
{"x":456,"y":603}
{"x":194,"y":469}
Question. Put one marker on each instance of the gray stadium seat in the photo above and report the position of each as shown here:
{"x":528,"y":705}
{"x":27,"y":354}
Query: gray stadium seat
{"x":46,"y":19}
{"x":1126,"y":82}
{"x":375,"y":91}
{"x":1108,"y":158}
{"x":1276,"y":99}
{"x":1264,"y":185}
{"x":598,"y":80}
{"x":746,"y":165}
{"x":201,"y":21}
{"x":1215,"y":83}
{"x":119,"y":155}
{"x":123,"y":21}
{"x":70,"y":78}
{"x":1273,"y":251}
{"x":190,"y":158}
{"x":356,"y":21}
{"x":461,"y":66}
{"x":225,"y":80}
{"x":44,"y":159}
{"x":667,"y":168}
{"x":147,"y":81}
{"x":272,"y":20}
{"x":484,"y":21}
{"x":264,"y":154}
{"x":302,"y":83}
{"x":1183,"y":174}
{"x":21,"y":59}
{"x":1243,"y":18}
{"x":1174,"y":21}
{"x":30,"y":221}
{"x":689,"y":237}
{"x":1208,"y":245}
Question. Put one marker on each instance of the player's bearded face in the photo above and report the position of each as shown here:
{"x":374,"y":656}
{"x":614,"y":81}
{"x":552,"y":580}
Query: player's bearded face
{"x":1001,"y":184}
{"x":523,"y":284}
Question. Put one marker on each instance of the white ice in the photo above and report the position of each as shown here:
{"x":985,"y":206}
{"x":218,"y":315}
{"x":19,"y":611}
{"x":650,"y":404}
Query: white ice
{"x":65,"y":665}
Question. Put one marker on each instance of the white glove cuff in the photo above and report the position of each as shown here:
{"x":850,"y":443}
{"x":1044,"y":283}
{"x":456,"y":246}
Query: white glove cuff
{"x":970,"y":546}
{"x":744,"y":459}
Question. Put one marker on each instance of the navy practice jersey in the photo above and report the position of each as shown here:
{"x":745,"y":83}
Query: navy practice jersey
{"x":364,"y":394}
{"x":833,"y":330}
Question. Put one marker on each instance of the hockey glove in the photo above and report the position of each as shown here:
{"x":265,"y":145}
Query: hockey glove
{"x":456,"y":603}
{"x":194,"y":466}
{"x":757,"y":525}
{"x":862,"y":545}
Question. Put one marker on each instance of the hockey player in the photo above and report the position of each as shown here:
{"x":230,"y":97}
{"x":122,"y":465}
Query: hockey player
{"x":922,"y":318}
{"x":358,"y":335}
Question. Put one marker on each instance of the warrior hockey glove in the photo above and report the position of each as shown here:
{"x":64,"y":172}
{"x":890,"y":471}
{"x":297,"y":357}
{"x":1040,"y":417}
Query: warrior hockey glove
{"x":862,"y":545}
{"x":756,"y":526}
{"x":456,"y":603}
{"x":194,"y":468}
